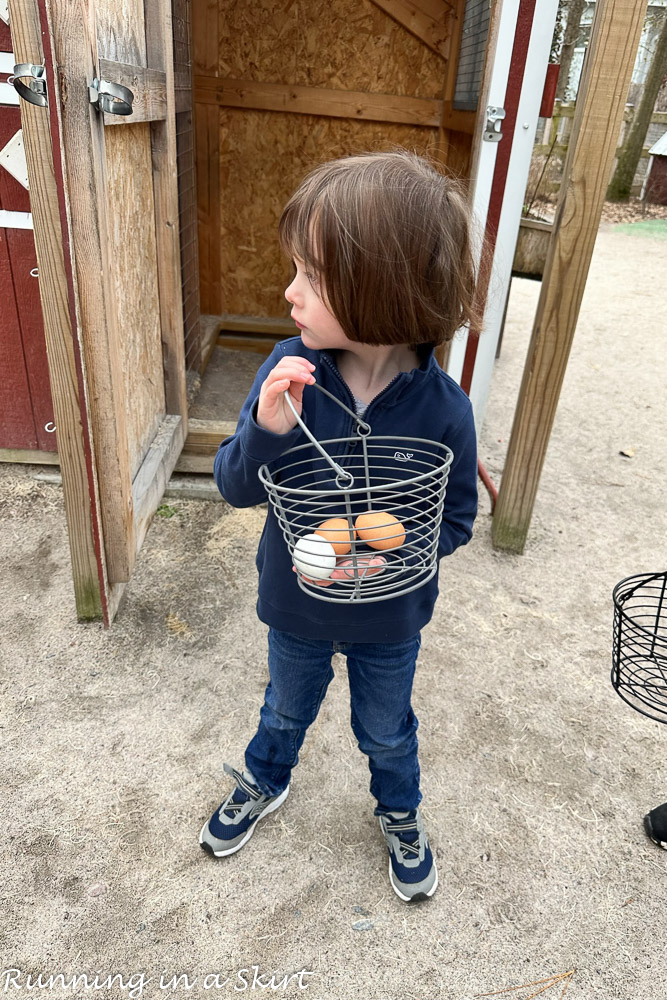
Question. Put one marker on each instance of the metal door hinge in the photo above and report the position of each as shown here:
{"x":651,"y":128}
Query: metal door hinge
{"x":494,"y":120}
{"x":35,"y":92}
{"x":111,"y":97}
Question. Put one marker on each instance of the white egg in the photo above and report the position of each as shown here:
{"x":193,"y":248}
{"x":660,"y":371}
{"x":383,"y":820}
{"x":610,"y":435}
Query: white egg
{"x":314,"y":557}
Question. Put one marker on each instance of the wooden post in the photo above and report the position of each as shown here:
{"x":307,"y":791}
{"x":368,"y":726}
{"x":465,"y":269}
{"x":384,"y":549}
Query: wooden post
{"x":612,"y":49}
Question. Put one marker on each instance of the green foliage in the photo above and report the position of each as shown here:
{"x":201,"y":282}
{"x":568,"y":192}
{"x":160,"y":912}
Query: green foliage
{"x":164,"y":510}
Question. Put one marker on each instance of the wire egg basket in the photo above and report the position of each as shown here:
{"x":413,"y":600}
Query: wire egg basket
{"x":639,"y":658}
{"x":401,"y":478}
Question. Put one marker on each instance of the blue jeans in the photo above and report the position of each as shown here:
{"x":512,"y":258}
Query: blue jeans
{"x":380,"y":677}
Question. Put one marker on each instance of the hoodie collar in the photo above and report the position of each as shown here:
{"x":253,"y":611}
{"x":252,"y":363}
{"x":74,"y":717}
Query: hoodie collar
{"x":404,"y":382}
{"x":413,"y":381}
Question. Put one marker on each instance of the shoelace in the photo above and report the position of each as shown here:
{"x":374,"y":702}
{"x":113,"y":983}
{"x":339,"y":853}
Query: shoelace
{"x":251,"y":791}
{"x":401,"y":827}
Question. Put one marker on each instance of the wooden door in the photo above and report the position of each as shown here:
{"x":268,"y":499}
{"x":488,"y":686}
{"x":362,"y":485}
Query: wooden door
{"x":105,"y":206}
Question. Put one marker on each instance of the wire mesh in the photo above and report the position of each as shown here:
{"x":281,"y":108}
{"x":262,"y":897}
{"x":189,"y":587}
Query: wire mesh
{"x":402,"y":479}
{"x":639,"y":658}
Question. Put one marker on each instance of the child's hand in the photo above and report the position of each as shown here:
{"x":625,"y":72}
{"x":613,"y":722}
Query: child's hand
{"x":273,"y":412}
{"x":367,"y":565}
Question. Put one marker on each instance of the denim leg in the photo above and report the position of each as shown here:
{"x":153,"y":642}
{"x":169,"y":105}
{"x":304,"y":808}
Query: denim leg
{"x":300,"y":672}
{"x":381,"y":676}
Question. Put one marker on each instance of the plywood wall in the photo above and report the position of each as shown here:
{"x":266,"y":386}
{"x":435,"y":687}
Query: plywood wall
{"x":249,"y":159}
{"x":132,"y":223}
{"x":345,"y":45}
{"x":255,"y":187}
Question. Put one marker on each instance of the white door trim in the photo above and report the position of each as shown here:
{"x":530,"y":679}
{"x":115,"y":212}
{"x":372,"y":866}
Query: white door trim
{"x":15,"y":220}
{"x":534,"y":73}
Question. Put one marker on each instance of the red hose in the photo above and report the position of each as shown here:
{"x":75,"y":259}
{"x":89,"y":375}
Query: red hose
{"x":486,"y":479}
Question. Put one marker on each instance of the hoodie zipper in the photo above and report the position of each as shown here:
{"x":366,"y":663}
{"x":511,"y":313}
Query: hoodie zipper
{"x":340,"y":378}
{"x":354,"y":440}
{"x":382,"y":392}
{"x":348,"y":391}
{"x":350,"y":443}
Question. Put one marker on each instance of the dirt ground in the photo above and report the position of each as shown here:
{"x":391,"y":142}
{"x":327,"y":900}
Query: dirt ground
{"x":535,"y":774}
{"x":633,"y":210}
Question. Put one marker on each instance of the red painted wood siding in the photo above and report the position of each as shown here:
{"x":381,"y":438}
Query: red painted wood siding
{"x":26,"y":408}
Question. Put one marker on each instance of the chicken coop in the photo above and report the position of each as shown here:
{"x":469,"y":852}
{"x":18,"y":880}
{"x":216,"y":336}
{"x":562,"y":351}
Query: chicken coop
{"x":145,"y":159}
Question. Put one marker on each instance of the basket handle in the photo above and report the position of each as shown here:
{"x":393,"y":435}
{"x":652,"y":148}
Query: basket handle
{"x":343,"y":478}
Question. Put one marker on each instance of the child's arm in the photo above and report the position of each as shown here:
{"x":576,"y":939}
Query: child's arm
{"x":460,"y":507}
{"x":266,"y":428}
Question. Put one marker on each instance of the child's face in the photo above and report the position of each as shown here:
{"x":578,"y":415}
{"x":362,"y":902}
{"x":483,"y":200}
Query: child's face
{"x":319,"y":328}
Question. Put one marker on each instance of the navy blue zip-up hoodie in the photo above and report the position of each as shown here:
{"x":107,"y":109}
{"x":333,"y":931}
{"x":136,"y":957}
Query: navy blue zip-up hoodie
{"x":423,"y":403}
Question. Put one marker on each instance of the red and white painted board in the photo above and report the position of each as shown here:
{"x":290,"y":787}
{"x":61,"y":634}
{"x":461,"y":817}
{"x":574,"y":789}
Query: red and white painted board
{"x":26,"y":409}
{"x":518,"y":71}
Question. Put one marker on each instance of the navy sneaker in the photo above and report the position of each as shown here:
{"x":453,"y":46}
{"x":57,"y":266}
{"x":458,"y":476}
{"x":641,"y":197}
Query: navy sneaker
{"x":412,"y":870}
{"x":655,"y":824}
{"x":234,"y":822}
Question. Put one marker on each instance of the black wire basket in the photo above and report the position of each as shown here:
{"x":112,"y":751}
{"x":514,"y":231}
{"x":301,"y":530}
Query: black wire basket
{"x":639,"y":658}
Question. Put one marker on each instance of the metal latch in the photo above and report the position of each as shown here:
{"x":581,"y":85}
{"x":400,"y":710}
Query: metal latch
{"x":35,"y":92}
{"x":494,"y":119}
{"x":111,"y":97}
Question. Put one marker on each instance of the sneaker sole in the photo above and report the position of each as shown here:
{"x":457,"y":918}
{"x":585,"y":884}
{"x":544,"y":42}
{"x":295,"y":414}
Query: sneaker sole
{"x":205,"y":846}
{"x":420,"y":896}
{"x":648,"y":826}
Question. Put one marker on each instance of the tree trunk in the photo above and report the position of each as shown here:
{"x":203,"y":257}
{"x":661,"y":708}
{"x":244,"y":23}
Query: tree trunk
{"x":626,"y":168}
{"x":576,"y":9}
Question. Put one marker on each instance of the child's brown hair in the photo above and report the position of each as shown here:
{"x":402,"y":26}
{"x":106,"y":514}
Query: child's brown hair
{"x":389,"y":239}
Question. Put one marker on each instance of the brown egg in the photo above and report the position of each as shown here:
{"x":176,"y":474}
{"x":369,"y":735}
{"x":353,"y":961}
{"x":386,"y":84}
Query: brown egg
{"x":380,"y":530}
{"x":337,"y":532}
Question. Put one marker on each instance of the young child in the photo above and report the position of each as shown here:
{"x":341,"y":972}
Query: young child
{"x":384,"y":273}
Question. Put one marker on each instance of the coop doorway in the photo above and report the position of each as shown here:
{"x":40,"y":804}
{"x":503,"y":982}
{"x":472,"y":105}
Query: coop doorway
{"x":276,"y":89}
